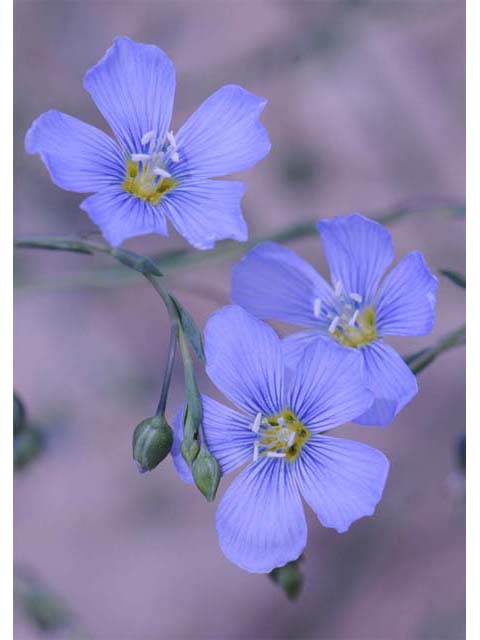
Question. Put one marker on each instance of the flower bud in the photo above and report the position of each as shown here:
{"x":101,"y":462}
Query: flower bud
{"x":289,"y":578}
{"x":206,"y":473}
{"x":18,"y":414}
{"x":26,"y":445}
{"x":152,"y":441}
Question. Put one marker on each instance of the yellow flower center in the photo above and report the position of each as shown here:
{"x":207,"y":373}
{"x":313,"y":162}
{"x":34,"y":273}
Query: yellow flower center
{"x":141,"y":183}
{"x":279,"y":436}
{"x":359,"y":333}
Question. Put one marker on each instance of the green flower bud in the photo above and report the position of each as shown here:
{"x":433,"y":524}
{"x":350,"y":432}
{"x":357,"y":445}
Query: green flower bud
{"x":189,"y":450}
{"x":26,"y":445}
{"x":206,"y":473}
{"x":289,"y":578}
{"x":152,"y":441}
{"x":18,"y":414}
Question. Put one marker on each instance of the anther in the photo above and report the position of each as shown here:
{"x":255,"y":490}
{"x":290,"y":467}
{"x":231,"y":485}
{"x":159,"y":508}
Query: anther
{"x":356,"y":297}
{"x":256,"y":423}
{"x":161,"y":172}
{"x":147,"y":137}
{"x":140,"y":157}
{"x":291,"y":439}
{"x":317,"y":307}
{"x":353,"y":319}
{"x":334,"y":324}
{"x":275,"y":454}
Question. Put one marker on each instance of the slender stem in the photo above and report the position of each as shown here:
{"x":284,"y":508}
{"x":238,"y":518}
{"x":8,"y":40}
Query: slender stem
{"x":172,"y":347}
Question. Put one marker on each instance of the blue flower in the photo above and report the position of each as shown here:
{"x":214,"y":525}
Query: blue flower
{"x":356,"y":312}
{"x":148,"y":174}
{"x":279,"y":432}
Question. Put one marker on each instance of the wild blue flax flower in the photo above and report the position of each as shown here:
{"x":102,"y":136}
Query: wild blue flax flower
{"x":279,"y":432}
{"x":356,"y":312}
{"x":148,"y":173}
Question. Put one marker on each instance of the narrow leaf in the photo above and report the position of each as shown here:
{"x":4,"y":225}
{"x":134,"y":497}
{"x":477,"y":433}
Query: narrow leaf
{"x":190,"y":329}
{"x":455,"y":277}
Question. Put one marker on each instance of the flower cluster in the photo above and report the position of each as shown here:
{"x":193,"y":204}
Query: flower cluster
{"x":289,"y":392}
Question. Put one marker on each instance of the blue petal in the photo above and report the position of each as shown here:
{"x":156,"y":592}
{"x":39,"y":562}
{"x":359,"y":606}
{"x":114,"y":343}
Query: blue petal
{"x":327,"y":387}
{"x":181,"y":466}
{"x":406,"y":299}
{"x":223,"y":136}
{"x":120,"y":215}
{"x":78,"y":156}
{"x":227,"y":434}
{"x":391,"y":381}
{"x":260,"y":520}
{"x":244,"y":360}
{"x":295,"y":344}
{"x":204,"y":211}
{"x":273,"y":283}
{"x":358,"y":251}
{"x":341,"y":480}
{"x":133,"y":85}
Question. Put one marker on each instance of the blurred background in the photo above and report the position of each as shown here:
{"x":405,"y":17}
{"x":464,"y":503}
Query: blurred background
{"x":366,"y":113}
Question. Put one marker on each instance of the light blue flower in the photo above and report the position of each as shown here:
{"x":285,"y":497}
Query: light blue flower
{"x":357,"y":311}
{"x":279,"y":431}
{"x":148,"y":174}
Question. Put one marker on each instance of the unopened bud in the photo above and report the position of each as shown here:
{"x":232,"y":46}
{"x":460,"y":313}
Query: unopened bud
{"x":152,"y":441}
{"x":206,"y":473}
{"x":289,"y":578}
{"x":189,"y":450}
{"x":18,"y":414}
{"x":26,"y":445}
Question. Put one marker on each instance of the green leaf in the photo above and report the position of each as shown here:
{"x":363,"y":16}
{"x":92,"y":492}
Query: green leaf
{"x":190,"y":329}
{"x":455,"y":277}
{"x":142,"y":264}
{"x":419,"y":360}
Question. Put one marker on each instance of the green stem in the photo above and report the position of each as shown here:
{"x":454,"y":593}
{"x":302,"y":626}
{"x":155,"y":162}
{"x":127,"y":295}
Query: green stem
{"x":172,"y":347}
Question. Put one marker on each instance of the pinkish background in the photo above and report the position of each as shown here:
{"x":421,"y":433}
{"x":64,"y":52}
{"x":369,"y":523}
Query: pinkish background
{"x":366,"y":109}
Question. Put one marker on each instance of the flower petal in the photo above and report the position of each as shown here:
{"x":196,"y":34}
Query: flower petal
{"x":120,"y":215}
{"x":78,"y":156}
{"x":223,"y":136}
{"x":204,"y":211}
{"x":260,"y":520}
{"x":227,"y":433}
{"x":179,"y":462}
{"x":244,"y":360}
{"x":406,"y":299}
{"x":295,"y":344}
{"x":341,"y":480}
{"x":273,"y":283}
{"x":133,"y":85}
{"x":391,"y":381}
{"x":327,"y":387}
{"x":358,"y":251}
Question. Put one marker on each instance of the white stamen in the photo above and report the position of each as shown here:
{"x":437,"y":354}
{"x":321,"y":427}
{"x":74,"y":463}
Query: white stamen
{"x":147,"y":137}
{"x":356,"y":297}
{"x":256,"y":423}
{"x":334,"y":324}
{"x":275,"y":454}
{"x":291,"y":439}
{"x":338,"y":288}
{"x":281,"y":421}
{"x":353,"y":319}
{"x":174,"y":157}
{"x":171,"y":139}
{"x":317,"y":307}
{"x":161,"y":172}
{"x":255,"y":451}
{"x":140,"y":157}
